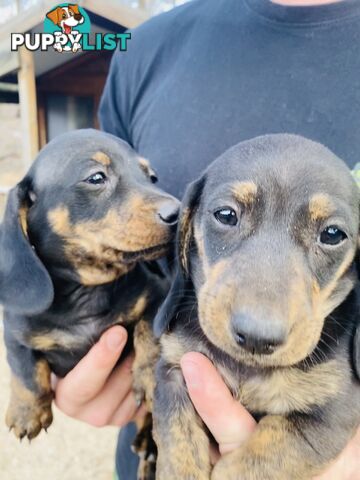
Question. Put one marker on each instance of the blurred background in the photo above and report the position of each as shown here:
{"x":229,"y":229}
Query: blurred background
{"x":43,"y":94}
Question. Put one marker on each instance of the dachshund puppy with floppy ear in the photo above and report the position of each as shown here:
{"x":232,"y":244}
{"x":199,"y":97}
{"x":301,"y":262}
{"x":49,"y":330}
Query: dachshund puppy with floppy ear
{"x":77,"y":247}
{"x":267,"y":289}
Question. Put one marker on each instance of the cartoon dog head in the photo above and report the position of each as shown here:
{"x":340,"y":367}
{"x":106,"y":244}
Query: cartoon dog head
{"x":66,"y":17}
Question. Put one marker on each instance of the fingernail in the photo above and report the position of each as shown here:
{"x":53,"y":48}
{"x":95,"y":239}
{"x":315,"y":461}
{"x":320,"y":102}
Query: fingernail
{"x":192,"y":375}
{"x":115,"y":340}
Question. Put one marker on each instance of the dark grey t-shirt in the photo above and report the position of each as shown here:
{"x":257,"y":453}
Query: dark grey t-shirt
{"x":211,"y":73}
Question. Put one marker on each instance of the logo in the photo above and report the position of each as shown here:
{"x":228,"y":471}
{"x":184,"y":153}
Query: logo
{"x":67,"y":29}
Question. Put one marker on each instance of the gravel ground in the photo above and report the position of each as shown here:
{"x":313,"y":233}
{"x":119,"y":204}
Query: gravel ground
{"x":71,"y":450}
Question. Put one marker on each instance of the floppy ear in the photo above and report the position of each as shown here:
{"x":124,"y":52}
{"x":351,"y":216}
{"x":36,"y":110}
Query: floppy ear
{"x":53,"y":15}
{"x":173,"y":301}
{"x":25,"y":285}
{"x":74,"y":8}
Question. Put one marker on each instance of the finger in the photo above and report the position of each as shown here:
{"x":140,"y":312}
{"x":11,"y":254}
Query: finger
{"x":347,"y":465}
{"x":100,"y":410}
{"x":126,"y":412}
{"x":226,"y":419}
{"x":85,"y":381}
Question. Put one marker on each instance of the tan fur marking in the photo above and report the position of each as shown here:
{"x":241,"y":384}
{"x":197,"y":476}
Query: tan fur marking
{"x":265,"y":455}
{"x":146,"y":167}
{"x":215,"y":300}
{"x":28,"y":411}
{"x":184,"y":433}
{"x":290,"y":389}
{"x":186,"y":231}
{"x":172,"y":349}
{"x":304,"y":309}
{"x":23,"y":220}
{"x":97,"y":248}
{"x":146,"y":355}
{"x":320,"y":207}
{"x":329,"y":289}
{"x":55,"y":339}
{"x":101,"y":157}
{"x":138,"y":309}
{"x":245,"y":192}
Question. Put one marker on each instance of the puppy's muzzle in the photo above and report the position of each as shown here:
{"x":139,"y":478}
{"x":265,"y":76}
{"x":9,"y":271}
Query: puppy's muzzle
{"x":257,"y":335}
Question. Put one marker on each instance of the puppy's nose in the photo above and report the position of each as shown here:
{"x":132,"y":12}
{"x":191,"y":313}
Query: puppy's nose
{"x":78,"y":16}
{"x":169,"y":212}
{"x":256,"y":336}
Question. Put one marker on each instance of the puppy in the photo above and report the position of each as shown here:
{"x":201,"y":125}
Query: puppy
{"x":77,"y":243}
{"x":267,"y":245}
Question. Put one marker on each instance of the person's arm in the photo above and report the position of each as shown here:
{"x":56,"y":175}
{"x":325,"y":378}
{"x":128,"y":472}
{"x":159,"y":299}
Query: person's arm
{"x":231,"y":424}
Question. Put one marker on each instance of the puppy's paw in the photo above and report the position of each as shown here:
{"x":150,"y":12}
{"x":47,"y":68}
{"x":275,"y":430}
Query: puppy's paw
{"x":26,"y":419}
{"x":143,"y":384}
{"x":58,"y":47}
{"x":76,"y":47}
{"x":145,"y":447}
{"x":147,"y":468}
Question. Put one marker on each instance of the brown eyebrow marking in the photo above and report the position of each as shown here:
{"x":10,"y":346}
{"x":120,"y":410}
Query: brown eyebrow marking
{"x":144,"y":163}
{"x":102,"y":158}
{"x":245,"y":192}
{"x":320,"y":206}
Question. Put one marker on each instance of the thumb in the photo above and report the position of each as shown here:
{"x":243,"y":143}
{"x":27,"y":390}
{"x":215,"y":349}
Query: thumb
{"x":228,"y":421}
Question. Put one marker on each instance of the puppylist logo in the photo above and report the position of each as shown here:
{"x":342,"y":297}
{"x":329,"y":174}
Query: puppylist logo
{"x":67,"y":29}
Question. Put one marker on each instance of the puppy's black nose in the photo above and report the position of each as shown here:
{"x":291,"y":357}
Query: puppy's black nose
{"x":78,"y":17}
{"x":254,"y":335}
{"x":169,"y":212}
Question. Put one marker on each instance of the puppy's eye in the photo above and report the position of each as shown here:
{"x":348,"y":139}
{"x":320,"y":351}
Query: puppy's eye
{"x":332,"y":235}
{"x":153,"y":178}
{"x":226,"y":216}
{"x":64,"y":15}
{"x":97,"y":178}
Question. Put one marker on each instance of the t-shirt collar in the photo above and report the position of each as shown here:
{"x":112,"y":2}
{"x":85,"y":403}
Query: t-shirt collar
{"x":305,"y":15}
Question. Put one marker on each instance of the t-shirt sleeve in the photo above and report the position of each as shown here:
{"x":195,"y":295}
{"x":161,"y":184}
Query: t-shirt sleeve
{"x":113,"y":110}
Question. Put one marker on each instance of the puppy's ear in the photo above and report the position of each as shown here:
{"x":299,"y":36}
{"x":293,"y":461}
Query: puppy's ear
{"x":53,"y":15}
{"x":25,"y":285}
{"x":74,"y":8}
{"x":190,"y":204}
{"x":182,"y":280}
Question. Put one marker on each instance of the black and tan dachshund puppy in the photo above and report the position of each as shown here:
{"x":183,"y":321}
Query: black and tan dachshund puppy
{"x":78,"y":234}
{"x":267,"y":250}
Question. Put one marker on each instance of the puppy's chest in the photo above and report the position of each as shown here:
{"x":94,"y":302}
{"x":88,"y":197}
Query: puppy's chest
{"x":70,"y":334}
{"x":287,"y":390}
{"x":279,"y":391}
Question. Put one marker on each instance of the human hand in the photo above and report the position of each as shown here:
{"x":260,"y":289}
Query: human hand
{"x":231,"y":424}
{"x":94,"y":391}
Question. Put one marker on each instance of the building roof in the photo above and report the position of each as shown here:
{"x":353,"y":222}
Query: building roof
{"x":30,"y":17}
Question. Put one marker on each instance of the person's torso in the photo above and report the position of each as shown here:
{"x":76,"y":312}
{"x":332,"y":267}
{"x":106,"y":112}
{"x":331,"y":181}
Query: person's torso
{"x":230,"y":73}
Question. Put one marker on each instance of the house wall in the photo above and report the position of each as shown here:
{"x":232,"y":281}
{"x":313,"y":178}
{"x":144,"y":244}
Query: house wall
{"x":11,"y":170}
